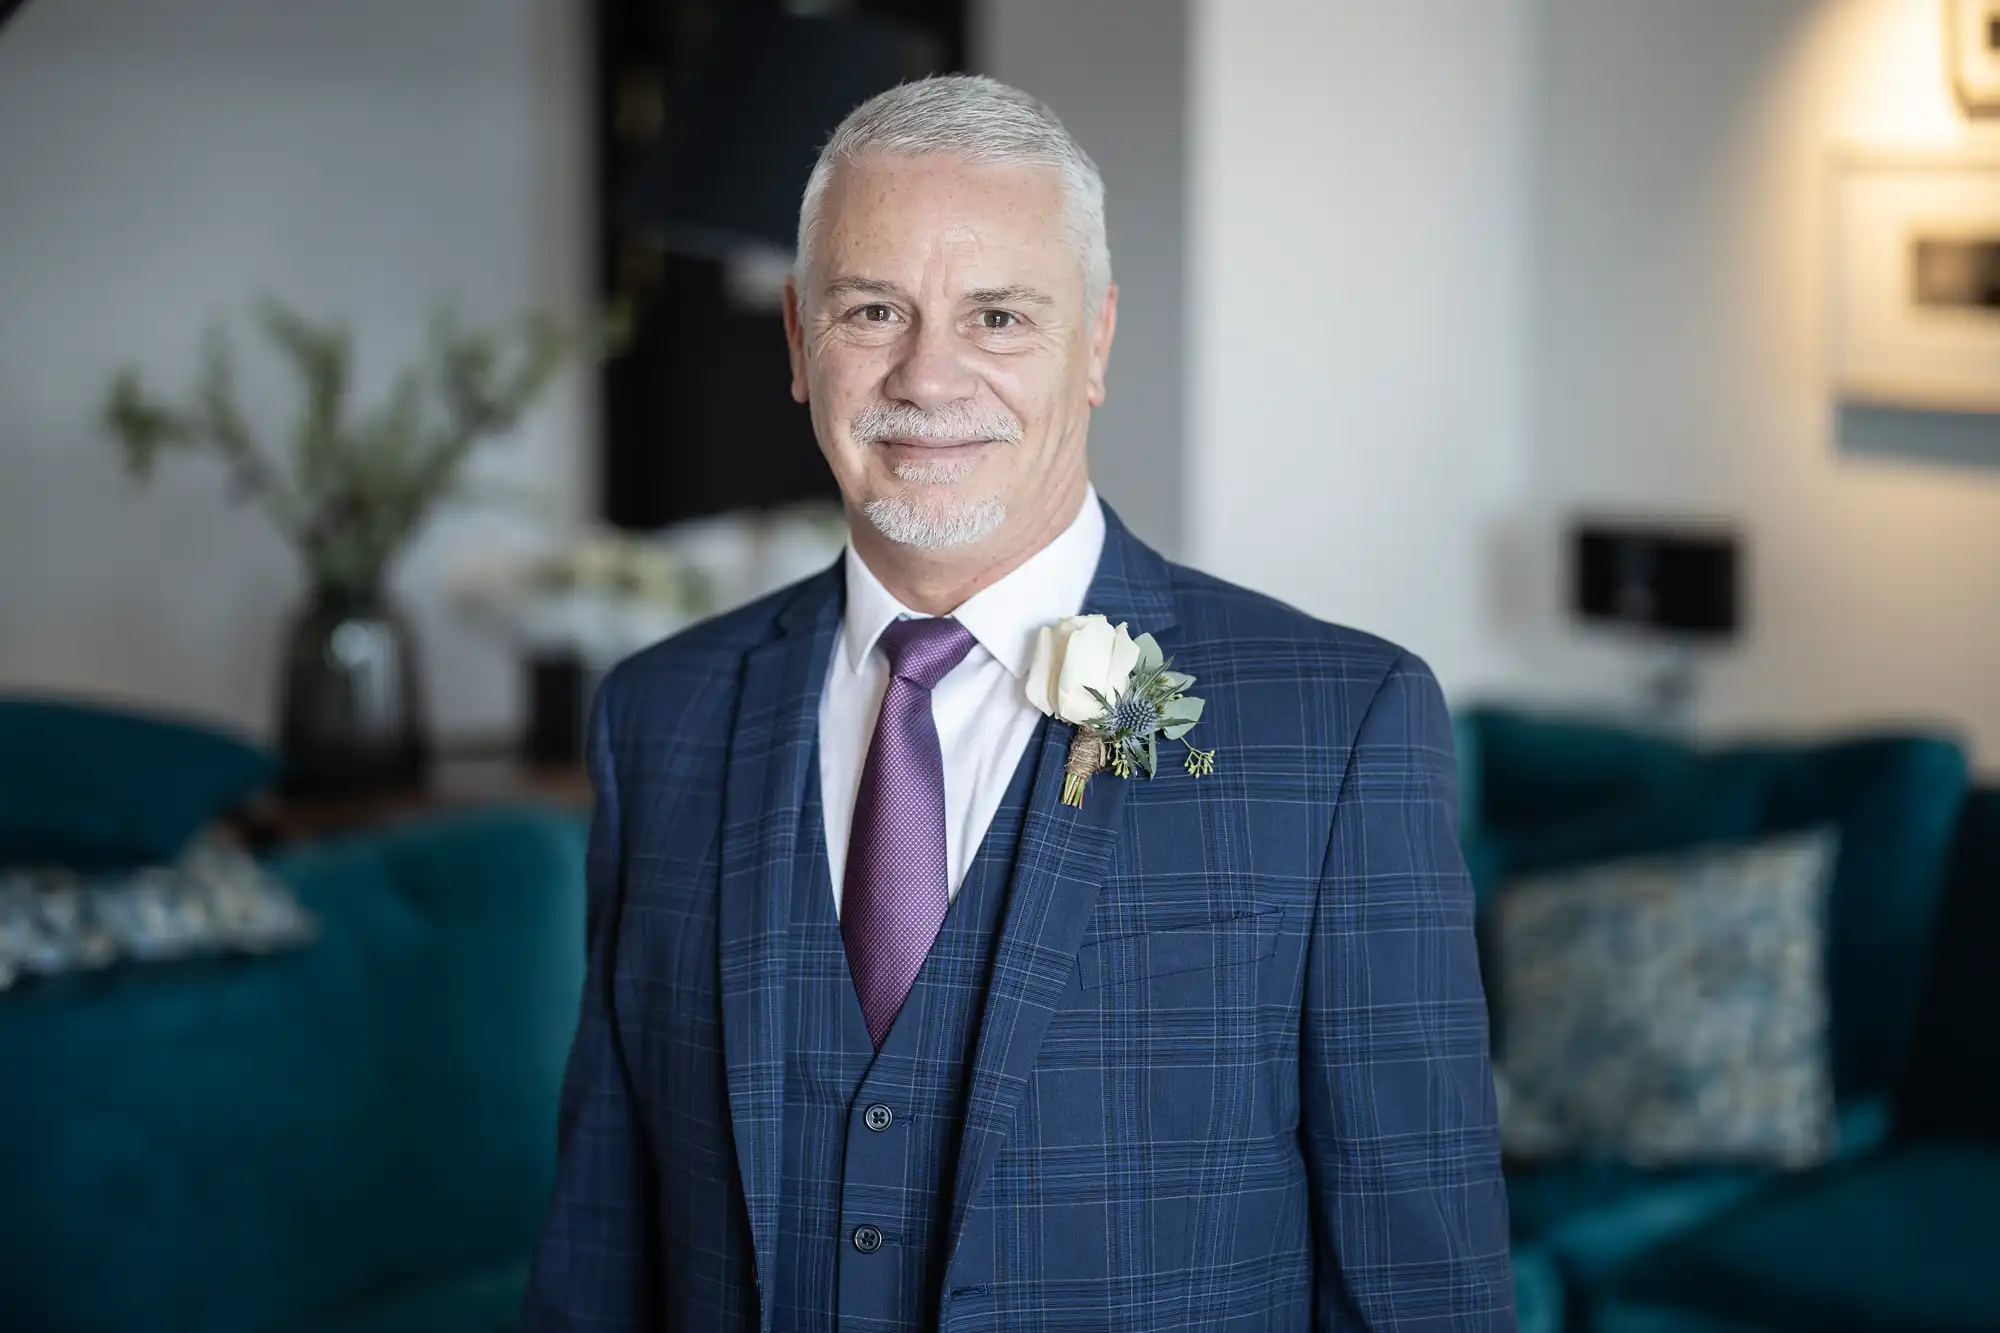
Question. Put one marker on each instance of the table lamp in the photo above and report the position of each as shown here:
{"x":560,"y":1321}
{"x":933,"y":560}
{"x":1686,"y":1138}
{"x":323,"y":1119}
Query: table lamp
{"x":1672,"y":584}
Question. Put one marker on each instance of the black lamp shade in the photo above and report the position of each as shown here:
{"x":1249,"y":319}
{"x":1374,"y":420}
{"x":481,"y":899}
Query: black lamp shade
{"x":741,"y":135}
{"x":1671,"y":579}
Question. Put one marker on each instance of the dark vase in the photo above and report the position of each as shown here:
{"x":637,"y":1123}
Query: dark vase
{"x":561,"y":687}
{"x":352,"y":716}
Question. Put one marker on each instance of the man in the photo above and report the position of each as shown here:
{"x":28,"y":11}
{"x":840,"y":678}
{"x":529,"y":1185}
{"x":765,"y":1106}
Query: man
{"x":879,"y":1032}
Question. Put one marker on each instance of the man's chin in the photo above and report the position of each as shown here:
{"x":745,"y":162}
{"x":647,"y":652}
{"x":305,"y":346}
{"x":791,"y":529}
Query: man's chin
{"x":935,"y":516}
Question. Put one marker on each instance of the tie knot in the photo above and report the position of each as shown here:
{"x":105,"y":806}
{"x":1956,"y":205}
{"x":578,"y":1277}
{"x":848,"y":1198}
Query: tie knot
{"x":923,"y":652}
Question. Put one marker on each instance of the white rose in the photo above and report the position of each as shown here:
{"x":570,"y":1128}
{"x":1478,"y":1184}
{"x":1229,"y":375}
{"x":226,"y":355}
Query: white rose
{"x":1074,"y":656}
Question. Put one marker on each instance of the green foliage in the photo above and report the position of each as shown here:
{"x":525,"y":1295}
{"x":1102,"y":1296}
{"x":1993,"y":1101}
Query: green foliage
{"x":1186,"y":712}
{"x":1164,"y":690}
{"x":355,"y":486}
{"x":1150,"y":657}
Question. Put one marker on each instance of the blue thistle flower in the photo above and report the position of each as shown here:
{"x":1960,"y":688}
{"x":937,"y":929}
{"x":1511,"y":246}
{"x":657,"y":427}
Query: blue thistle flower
{"x":1134,"y":715}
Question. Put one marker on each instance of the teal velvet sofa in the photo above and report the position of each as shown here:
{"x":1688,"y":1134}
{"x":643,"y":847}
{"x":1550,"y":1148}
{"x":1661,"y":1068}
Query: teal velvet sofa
{"x":1887,"y":1236}
{"x":1906,"y":1238}
{"x":357,"y":1137}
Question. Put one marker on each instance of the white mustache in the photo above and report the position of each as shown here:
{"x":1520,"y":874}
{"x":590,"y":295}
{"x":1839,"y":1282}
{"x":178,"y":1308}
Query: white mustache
{"x":881,"y":421}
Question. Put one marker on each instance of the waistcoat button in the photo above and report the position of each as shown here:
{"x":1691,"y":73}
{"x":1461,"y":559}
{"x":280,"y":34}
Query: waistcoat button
{"x":878,"y":1117}
{"x":867,"y":1239}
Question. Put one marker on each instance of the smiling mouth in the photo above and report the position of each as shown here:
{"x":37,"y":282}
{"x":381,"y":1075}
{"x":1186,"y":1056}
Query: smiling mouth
{"x":922,"y":459}
{"x":932,"y":444}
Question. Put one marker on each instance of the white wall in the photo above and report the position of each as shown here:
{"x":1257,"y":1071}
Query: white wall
{"x":1358,"y":311}
{"x":1680,"y":328}
{"x":1117,"y":73}
{"x":166,"y":162}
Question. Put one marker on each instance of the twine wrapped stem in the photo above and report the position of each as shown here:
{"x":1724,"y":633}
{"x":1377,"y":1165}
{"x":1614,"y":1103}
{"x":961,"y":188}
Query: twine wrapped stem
{"x":1088,"y":754}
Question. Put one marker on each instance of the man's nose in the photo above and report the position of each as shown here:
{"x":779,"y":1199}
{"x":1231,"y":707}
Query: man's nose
{"x":931,"y":371}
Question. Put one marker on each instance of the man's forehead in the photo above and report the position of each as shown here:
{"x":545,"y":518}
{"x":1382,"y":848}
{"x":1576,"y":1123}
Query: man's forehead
{"x":1000,"y":228}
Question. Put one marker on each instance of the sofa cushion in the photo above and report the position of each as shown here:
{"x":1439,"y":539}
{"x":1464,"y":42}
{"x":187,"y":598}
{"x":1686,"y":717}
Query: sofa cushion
{"x":1896,"y":801}
{"x":1651,"y":1319}
{"x":1669,"y":1009}
{"x":217,"y":899}
{"x":1562,"y":793}
{"x":1718,"y":799}
{"x":234,"y":1145}
{"x":1538,"y":1292}
{"x":486,"y":1300}
{"x":97,"y":789}
{"x":1538,"y":770}
{"x":1904,"y":1242}
{"x":1595,"y":1218}
{"x":1952,"y":1086}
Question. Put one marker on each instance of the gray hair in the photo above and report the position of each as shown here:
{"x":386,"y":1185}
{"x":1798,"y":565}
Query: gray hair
{"x":980,"y":120}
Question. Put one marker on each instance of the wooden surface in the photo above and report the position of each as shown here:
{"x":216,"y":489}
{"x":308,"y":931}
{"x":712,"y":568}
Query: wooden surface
{"x":464,"y":778}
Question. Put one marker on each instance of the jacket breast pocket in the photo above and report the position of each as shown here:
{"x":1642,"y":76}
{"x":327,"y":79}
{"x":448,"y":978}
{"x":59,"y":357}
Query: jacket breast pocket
{"x":1246,"y":937}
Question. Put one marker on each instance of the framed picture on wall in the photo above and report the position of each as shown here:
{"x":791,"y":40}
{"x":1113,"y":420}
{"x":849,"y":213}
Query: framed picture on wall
{"x":1915,"y":281}
{"x":1972,"y":44}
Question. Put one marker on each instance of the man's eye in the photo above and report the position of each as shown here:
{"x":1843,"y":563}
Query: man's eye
{"x":998,"y":319}
{"x":876,"y":313}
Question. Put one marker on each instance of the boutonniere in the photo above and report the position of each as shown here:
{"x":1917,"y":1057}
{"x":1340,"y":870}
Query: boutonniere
{"x":1121,"y":694}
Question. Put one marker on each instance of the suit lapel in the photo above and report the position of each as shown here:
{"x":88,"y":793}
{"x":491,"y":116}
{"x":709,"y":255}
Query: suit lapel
{"x":1058,"y":872}
{"x":770,"y":750}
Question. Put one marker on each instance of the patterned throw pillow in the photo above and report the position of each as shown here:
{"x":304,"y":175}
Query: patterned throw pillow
{"x":1669,"y":1009}
{"x":214,"y":900}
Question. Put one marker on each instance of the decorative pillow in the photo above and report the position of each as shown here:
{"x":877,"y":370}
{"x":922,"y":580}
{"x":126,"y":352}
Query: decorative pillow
{"x":1670,"y":1010}
{"x":96,"y":789}
{"x":216,"y":900}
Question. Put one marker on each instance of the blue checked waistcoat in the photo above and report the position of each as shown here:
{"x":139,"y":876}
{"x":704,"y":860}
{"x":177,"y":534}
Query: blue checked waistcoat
{"x":870,"y":1139}
{"x":1228,"y":1065}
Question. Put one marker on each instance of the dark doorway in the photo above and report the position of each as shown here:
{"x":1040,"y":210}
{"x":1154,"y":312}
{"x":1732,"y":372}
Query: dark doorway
{"x":697,"y":417}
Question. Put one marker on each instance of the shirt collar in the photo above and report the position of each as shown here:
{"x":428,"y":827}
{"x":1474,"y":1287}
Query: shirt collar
{"x":1004,"y":617}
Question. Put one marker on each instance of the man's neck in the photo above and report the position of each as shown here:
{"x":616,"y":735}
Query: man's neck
{"x":936,"y":583}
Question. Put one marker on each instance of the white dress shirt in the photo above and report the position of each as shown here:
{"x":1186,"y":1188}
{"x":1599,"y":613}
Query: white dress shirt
{"x":984,"y":719}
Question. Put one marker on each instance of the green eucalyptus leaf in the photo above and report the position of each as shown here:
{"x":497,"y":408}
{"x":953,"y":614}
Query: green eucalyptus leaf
{"x":1187,"y":712}
{"x":1150,"y":657}
{"x":1152,"y":753}
{"x":1176,"y":682}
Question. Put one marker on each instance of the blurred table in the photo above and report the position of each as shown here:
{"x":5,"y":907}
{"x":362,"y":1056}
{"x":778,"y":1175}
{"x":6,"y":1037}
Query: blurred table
{"x":462,"y":777}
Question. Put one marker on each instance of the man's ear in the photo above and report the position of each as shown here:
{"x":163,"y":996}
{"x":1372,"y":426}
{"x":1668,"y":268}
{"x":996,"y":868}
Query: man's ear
{"x":1102,"y":330}
{"x":795,"y":340}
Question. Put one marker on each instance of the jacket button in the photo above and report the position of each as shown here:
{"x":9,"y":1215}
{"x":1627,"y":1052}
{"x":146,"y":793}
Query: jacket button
{"x":878,"y":1117}
{"x":867,"y":1239}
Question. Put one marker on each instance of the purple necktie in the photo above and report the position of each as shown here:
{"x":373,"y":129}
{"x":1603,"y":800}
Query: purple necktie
{"x":898,"y":882}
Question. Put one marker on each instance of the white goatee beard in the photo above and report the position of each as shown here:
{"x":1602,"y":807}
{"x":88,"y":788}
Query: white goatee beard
{"x":935,"y":521}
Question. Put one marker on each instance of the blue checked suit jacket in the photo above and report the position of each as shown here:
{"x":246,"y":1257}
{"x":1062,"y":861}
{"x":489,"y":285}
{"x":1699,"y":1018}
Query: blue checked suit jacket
{"x":1232,"y":1067}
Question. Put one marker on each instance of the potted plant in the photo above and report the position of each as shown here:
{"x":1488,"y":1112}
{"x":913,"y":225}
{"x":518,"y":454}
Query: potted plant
{"x":349,"y":493}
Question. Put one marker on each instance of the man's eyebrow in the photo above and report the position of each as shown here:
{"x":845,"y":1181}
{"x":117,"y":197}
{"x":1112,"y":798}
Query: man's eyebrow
{"x":870,"y":286}
{"x":1009,"y":296}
